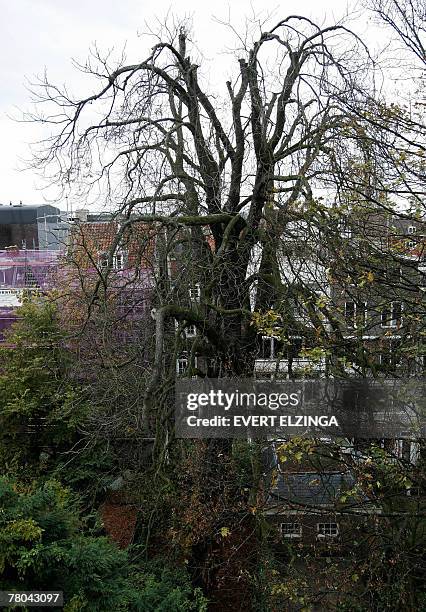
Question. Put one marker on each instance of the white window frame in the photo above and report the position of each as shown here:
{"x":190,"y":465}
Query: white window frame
{"x":119,"y":260}
{"x":345,"y":229}
{"x":350,"y":324}
{"x":392,"y":322}
{"x":390,"y":355}
{"x":271,"y":344}
{"x":411,"y":231}
{"x":103,"y":260}
{"x":365,"y":314}
{"x":297,"y":533}
{"x":357,"y":320}
{"x":181,"y":365}
{"x":415,"y":454}
{"x":328,"y":530}
{"x":274,"y":352}
{"x":190,"y":331}
{"x":399,"y":448}
{"x":195,"y":292}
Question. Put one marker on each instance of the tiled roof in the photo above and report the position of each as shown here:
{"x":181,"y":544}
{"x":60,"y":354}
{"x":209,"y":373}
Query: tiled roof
{"x":90,"y":240}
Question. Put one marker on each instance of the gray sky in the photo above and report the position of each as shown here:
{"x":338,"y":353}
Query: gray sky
{"x":39,"y":34}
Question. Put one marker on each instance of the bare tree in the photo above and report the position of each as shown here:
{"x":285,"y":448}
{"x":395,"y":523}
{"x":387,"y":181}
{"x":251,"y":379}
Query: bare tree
{"x":407,"y":19}
{"x":246,"y":197}
{"x":210,"y":168}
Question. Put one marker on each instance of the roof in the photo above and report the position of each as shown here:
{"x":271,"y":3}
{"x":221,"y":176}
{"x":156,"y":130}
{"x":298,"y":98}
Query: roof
{"x":89,"y":240}
{"x":311,"y":488}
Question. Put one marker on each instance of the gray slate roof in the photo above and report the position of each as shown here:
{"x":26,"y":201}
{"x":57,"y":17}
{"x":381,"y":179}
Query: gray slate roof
{"x":311,"y":488}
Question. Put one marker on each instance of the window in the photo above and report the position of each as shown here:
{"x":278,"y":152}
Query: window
{"x":270,"y":347}
{"x":195,"y":293}
{"x":190,"y":331}
{"x":266,"y":348}
{"x":350,"y":314}
{"x":392,"y":356}
{"x":295,"y":347}
{"x":422,"y":280}
{"x":355,"y":314}
{"x":392,"y":315}
{"x":393,"y":274}
{"x":291,"y":530}
{"x":181,"y":366}
{"x":103,"y":260}
{"x":399,"y":449}
{"x":411,"y":230}
{"x":327,"y":530}
{"x":119,"y":260}
{"x":415,"y":450}
{"x":364,"y":314}
{"x":345,"y":229}
{"x":385,"y":359}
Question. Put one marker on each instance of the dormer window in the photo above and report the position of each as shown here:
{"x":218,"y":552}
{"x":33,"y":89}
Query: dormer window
{"x":119,"y":260}
{"x":190,"y":331}
{"x":103,"y":260}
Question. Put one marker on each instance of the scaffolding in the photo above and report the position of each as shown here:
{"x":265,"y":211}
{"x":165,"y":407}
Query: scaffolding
{"x":22,"y":271}
{"x":27,"y":269}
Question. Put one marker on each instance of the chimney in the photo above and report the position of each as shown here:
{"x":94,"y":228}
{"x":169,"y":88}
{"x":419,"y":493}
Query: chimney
{"x":81,"y":215}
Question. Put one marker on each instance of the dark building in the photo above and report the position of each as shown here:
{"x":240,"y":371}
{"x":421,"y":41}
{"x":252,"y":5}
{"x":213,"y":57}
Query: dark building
{"x":304,"y":507}
{"x":36,"y":227}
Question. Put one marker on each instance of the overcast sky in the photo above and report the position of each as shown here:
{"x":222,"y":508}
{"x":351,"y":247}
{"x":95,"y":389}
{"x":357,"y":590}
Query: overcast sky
{"x":45,"y":34}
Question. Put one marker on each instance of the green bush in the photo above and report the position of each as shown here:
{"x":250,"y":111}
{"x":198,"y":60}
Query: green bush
{"x":42,"y":547}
